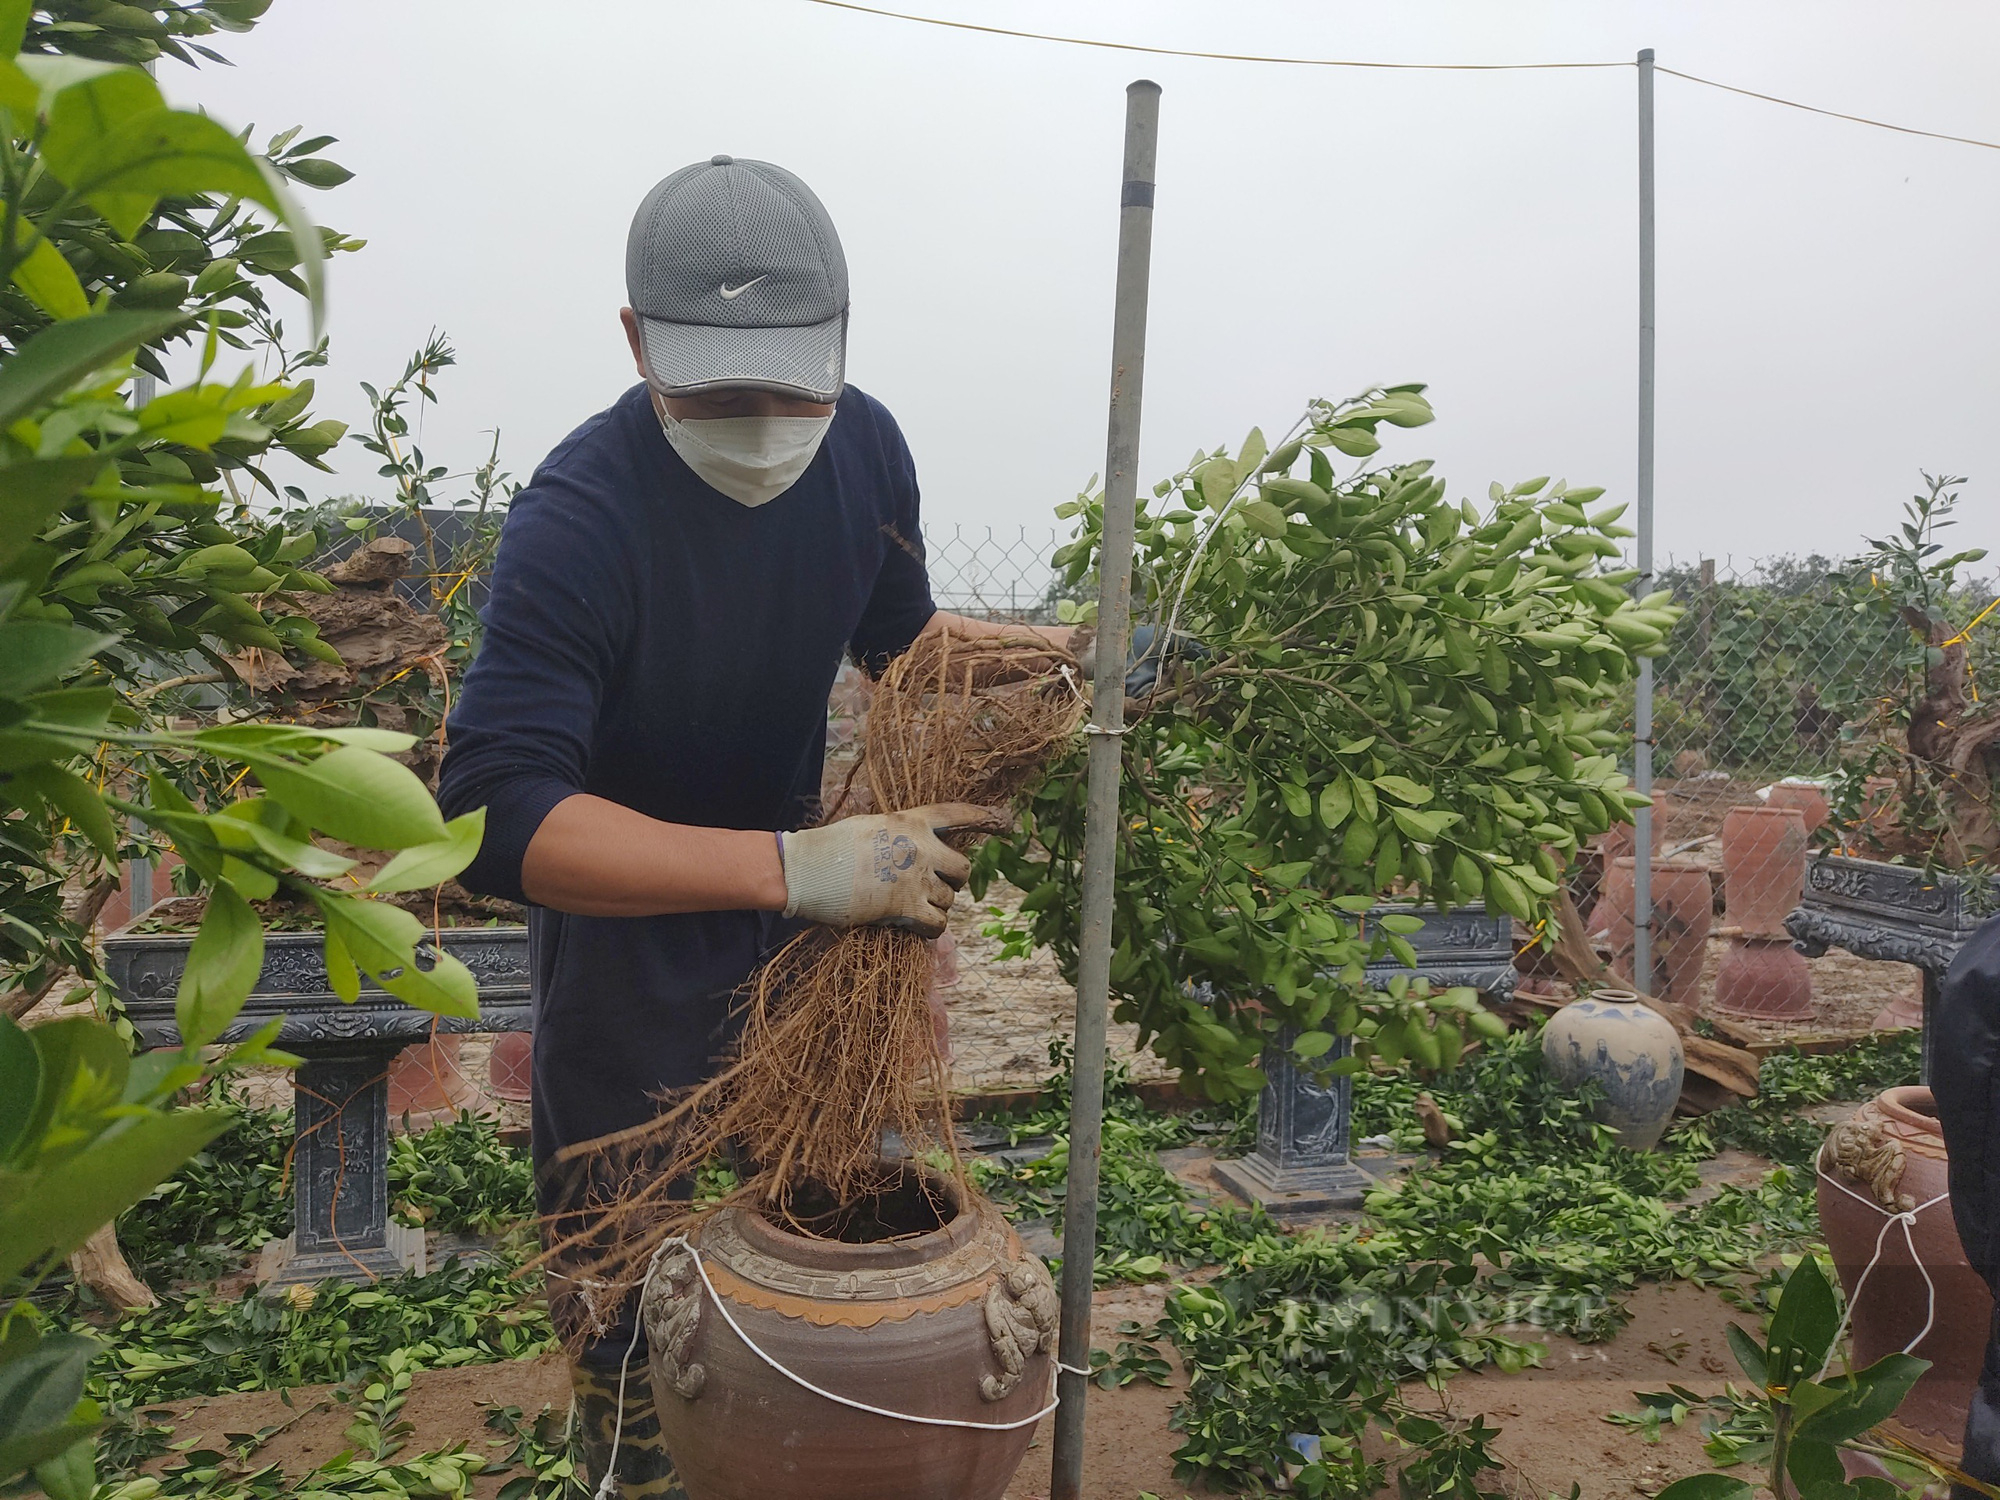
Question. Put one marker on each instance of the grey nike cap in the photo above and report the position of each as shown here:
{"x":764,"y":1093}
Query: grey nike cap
{"x":738,"y":279}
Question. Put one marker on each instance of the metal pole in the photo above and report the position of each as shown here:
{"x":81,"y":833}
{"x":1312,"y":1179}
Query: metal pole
{"x":1107,"y":724}
{"x":1642,"y":698}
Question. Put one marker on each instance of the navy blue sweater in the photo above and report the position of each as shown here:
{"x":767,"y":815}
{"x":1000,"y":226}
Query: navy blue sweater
{"x":651,"y":641}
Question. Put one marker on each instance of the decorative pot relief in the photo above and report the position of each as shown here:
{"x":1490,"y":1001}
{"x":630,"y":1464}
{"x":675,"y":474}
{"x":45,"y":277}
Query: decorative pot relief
{"x":1889,"y":1159}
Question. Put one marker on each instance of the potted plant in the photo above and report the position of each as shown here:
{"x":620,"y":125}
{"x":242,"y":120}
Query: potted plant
{"x":126,"y":553}
{"x":1902,"y":872}
{"x":393,"y":645}
{"x":1396,"y":696}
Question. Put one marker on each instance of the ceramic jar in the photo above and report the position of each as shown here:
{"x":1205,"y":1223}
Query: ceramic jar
{"x":1889,"y":1158}
{"x":1683,"y":904}
{"x":956,"y":1322}
{"x":1804,"y":798}
{"x":1763,"y":868}
{"x":510,"y":1068}
{"x":427,"y":1086}
{"x":1611,"y":917}
{"x":1634,"y":1051}
{"x":1763,"y":979}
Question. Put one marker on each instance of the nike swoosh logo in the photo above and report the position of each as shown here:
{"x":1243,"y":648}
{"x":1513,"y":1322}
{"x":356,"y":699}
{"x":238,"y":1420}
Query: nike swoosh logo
{"x":729,"y":292}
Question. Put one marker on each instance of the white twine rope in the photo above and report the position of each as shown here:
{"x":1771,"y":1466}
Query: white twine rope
{"x":1906,"y":1219}
{"x":606,"y":1487}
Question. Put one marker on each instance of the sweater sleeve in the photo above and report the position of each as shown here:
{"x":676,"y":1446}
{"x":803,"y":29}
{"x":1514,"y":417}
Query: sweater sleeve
{"x":900,"y":605}
{"x":519,"y":735}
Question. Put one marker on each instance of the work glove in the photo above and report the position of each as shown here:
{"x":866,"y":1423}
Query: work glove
{"x":1144,"y":656}
{"x":889,"y":868}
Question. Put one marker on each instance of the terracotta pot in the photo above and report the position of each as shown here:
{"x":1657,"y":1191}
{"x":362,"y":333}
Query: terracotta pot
{"x":958,"y":1321}
{"x":1803,"y":798}
{"x":1763,"y":867}
{"x":1904,"y":1013}
{"x":1763,"y":978}
{"x":1631,"y":1049}
{"x":510,"y":1069}
{"x":1611,"y":917}
{"x":1683,"y":901}
{"x":427,"y":1084}
{"x":1889,"y":1158}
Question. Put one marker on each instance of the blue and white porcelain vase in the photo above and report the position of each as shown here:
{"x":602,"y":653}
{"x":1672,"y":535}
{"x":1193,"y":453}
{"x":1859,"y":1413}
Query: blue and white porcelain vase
{"x":1632,"y":1050}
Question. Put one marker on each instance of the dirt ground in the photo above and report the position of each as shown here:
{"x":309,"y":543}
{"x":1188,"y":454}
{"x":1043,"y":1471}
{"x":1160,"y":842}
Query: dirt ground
{"x":1004,"y":1010}
{"x":1552,"y":1418}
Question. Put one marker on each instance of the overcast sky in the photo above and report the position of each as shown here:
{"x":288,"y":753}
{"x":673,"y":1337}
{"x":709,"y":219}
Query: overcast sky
{"x":1826,"y":291}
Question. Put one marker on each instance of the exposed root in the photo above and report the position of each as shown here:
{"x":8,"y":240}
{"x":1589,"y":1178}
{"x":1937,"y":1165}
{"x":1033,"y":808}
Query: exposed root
{"x":837,"y":1051}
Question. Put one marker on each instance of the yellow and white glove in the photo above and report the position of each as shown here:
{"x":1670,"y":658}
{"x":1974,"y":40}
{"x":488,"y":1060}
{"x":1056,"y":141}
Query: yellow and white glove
{"x":887,"y":868}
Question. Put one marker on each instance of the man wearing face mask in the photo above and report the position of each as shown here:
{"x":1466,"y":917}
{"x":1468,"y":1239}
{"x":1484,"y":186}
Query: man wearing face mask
{"x":673,"y":595}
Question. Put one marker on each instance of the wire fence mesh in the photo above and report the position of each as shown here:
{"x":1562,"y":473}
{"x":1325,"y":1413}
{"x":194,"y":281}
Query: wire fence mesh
{"x":1785,"y":686}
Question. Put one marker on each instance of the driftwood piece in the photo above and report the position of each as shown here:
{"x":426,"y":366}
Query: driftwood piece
{"x":380,"y":560}
{"x":100,"y":1265}
{"x":378,"y":634}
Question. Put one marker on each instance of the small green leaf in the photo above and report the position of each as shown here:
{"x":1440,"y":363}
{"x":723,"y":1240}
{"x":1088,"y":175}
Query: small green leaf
{"x":1263,"y":517}
{"x":35,"y":653}
{"x":20,"y":1085}
{"x":355,"y":795}
{"x":55,"y":1209}
{"x":1313,"y":1044}
{"x":222,"y":967}
{"x":1336,"y":801}
{"x":1404,"y":789}
{"x":394,"y":947}
{"x":1802,"y":1329}
{"x":49,"y":281}
{"x":77,"y":800}
{"x":424,"y":865}
{"x":41,"y":1386}
{"x":63,"y":354}
{"x":1864,"y":1399}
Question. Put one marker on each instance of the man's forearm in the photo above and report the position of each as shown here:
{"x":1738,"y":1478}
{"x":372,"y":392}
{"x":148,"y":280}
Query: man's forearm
{"x":595,"y":858}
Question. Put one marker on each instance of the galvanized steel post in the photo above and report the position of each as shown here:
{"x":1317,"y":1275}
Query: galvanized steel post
{"x":1642,"y":698}
{"x":1107,"y":725}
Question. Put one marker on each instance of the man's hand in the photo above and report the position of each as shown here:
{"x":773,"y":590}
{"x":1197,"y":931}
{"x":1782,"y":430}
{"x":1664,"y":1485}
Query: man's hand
{"x":888,"y":868}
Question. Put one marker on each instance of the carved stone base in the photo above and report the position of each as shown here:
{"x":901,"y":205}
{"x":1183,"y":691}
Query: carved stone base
{"x":402,"y":1249}
{"x":1294,"y":1192}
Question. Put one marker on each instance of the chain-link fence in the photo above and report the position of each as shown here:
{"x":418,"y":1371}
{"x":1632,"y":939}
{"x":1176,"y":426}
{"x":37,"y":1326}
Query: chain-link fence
{"x":1779,"y":723}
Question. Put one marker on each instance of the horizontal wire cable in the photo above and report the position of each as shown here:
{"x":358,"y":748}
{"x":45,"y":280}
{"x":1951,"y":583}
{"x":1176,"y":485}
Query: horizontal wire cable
{"x":1814,"y":109}
{"x":1251,"y":57}
{"x":1343,"y":62}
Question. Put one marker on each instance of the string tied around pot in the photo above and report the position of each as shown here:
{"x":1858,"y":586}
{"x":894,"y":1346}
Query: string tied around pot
{"x":607,"y":1486}
{"x":1904,"y":1219}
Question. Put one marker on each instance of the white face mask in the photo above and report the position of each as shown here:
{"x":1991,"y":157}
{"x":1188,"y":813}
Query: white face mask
{"x":752,"y":460}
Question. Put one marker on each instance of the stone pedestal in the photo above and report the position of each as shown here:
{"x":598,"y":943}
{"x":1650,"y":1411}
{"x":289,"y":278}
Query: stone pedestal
{"x":340,"y":1161}
{"x":1303,"y":1163}
{"x":340,"y":1187}
{"x":1890,"y":912}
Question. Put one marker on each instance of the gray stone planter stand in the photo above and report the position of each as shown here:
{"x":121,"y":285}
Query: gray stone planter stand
{"x":340,"y":1159}
{"x":1874,"y":909}
{"x":1303,"y":1164}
